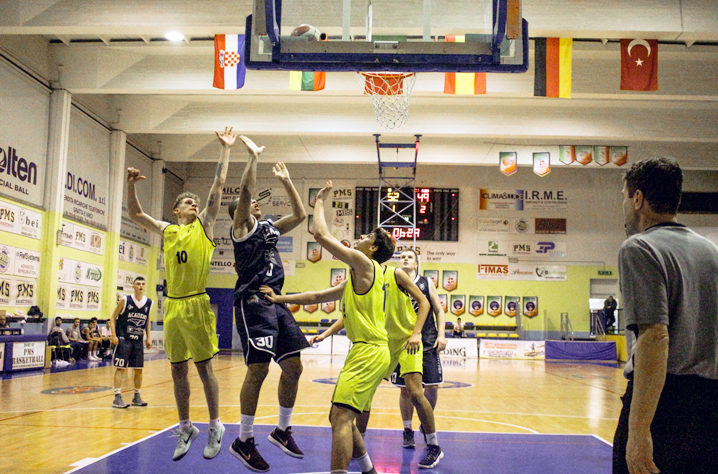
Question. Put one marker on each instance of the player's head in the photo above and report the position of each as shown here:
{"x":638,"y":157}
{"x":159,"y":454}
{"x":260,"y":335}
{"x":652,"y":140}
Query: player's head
{"x":530,"y":306}
{"x":660,"y":182}
{"x":409,"y":260}
{"x":92,"y":323}
{"x":494,"y":305}
{"x":186,"y":206}
{"x":254,"y":209}
{"x":377,"y":245}
{"x":458,"y":304}
{"x":58,"y":321}
{"x":139,"y":284}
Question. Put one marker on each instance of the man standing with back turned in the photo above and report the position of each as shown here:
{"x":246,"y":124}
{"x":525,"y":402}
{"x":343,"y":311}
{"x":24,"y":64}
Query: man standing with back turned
{"x":190,"y":327}
{"x":669,"y":283}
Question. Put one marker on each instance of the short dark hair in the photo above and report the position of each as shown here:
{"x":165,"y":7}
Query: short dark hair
{"x":384,"y":245}
{"x":76,"y":319}
{"x":138,"y":279}
{"x":233,"y":207}
{"x":58,"y":317}
{"x":183,"y":195}
{"x":660,"y":179}
{"x":93,"y":319}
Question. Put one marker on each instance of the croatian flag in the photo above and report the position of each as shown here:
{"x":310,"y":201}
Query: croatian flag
{"x":229,"y":69}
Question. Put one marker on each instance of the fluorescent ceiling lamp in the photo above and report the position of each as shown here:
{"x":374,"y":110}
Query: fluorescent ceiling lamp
{"x":174,"y":36}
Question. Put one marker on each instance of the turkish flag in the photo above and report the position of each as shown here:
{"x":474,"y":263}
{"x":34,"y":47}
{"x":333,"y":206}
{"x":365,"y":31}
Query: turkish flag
{"x":639,"y":65}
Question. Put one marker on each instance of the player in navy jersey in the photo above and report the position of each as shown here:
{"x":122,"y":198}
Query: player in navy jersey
{"x":130,"y":324}
{"x":267,"y":330}
{"x":433,"y":342}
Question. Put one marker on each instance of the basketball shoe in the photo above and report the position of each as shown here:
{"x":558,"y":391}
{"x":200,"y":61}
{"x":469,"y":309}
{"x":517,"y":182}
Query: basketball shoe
{"x":409,"y":438}
{"x":184,"y":441}
{"x":214,"y":442}
{"x":284,"y":441}
{"x":432,"y":457}
{"x":247,"y":452}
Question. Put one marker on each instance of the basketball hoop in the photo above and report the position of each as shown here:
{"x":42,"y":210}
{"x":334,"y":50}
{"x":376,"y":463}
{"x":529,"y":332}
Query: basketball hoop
{"x":390,"y":92}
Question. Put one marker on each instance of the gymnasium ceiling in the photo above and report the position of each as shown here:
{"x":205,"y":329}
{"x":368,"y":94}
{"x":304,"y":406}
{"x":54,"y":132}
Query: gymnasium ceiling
{"x":117,"y":64}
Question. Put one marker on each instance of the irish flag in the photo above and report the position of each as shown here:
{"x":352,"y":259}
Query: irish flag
{"x":229,"y":69}
{"x":306,"y":80}
{"x":552,"y":67}
{"x":465,"y":83}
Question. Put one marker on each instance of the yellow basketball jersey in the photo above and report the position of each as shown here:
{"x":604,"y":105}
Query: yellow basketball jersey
{"x":400,"y":315}
{"x":188,"y":252}
{"x":364,"y":317}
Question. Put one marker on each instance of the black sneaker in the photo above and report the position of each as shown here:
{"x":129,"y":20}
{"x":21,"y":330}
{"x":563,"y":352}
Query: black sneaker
{"x":409,"y":438}
{"x":284,"y":441}
{"x":432,"y":457}
{"x":247,"y":452}
{"x":370,"y":471}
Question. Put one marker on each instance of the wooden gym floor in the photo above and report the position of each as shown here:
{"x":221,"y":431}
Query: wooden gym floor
{"x":48,"y":433}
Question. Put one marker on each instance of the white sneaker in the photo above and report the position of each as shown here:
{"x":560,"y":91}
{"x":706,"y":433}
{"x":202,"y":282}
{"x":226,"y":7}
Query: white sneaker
{"x":92,"y":357}
{"x":184,"y":441}
{"x":214,"y":442}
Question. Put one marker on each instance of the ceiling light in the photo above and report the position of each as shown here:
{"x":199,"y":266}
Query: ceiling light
{"x":174,"y":36}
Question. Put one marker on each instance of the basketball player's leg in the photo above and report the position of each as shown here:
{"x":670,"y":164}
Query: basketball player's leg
{"x":343,"y":442}
{"x":120,"y":360}
{"x":137,"y":360}
{"x":180,"y":379}
{"x":431,"y":392}
{"x":243,"y":447}
{"x":211,"y":387}
{"x":415,"y":393}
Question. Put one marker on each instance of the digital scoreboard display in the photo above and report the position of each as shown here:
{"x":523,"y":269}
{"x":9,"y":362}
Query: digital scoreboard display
{"x":437,"y":213}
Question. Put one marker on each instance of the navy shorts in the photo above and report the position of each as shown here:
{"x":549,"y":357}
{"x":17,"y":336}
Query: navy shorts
{"x":267,"y":330}
{"x":129,"y":354}
{"x":432,"y":375}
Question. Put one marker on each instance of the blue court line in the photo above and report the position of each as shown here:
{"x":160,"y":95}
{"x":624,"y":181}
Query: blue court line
{"x":465,"y":452}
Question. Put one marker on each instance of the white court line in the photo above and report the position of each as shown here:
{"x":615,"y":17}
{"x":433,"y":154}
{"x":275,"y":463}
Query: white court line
{"x":601,"y":439}
{"x":122,"y":448}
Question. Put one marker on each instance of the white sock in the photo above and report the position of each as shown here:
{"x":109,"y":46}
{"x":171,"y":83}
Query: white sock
{"x":407,"y":424}
{"x":431,"y":438}
{"x":214,"y":423}
{"x":118,"y":392}
{"x":364,"y":463}
{"x":246,"y":428}
{"x":285,"y":417}
{"x":185,"y":425}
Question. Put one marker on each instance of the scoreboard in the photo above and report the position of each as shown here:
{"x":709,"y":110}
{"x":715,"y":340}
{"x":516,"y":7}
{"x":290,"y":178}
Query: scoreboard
{"x":437,"y":213}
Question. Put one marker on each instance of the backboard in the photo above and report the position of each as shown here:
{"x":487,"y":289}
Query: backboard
{"x":412,"y":36}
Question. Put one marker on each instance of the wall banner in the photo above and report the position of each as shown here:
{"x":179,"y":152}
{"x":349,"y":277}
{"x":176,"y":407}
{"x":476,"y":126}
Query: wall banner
{"x":20,"y":220}
{"x":21,"y":177}
{"x":28,"y":355}
{"x":512,"y":349}
{"x":505,"y":200}
{"x":545,"y":200}
{"x":25,"y":292}
{"x":496,"y":225}
{"x":493,"y":248}
{"x":460,"y":347}
{"x":6,"y":292}
{"x":62,"y":296}
{"x":77,"y":298}
{"x":132,"y":252}
{"x":82,"y":238}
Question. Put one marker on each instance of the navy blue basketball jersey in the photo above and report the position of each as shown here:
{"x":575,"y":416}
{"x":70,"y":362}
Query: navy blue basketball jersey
{"x":257,"y":260}
{"x":132,"y":321}
{"x":429,"y":332}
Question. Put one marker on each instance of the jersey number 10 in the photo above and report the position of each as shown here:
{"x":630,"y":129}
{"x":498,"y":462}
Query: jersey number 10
{"x":182,"y":257}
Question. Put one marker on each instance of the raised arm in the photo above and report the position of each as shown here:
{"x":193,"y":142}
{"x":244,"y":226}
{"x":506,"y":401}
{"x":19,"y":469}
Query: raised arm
{"x":310,"y":297}
{"x":134,"y":208}
{"x":361,"y":264}
{"x":243,"y":219}
{"x":440,"y":343}
{"x":403,"y":280}
{"x":209,"y":213}
{"x":287,"y":223}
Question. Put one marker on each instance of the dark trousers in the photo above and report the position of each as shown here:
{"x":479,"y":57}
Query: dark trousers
{"x":79,"y":349}
{"x":684,"y":429}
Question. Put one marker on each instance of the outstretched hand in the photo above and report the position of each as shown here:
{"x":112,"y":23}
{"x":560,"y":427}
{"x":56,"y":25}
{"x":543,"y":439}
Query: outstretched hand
{"x":227,"y":138}
{"x":133,"y":175}
{"x":280,"y":171}
{"x":251,"y":146}
{"x":315,"y":339}
{"x":323,"y":193}
{"x":269,"y":293}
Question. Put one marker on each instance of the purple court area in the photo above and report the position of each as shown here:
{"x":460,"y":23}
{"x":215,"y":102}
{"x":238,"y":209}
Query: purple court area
{"x":464,"y":452}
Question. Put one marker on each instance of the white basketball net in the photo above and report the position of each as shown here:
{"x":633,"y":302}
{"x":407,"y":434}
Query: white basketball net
{"x":390,"y":92}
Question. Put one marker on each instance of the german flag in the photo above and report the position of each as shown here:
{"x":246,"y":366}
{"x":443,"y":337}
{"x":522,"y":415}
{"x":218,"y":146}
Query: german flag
{"x":463,"y":83}
{"x":306,"y":80}
{"x":552,"y":63}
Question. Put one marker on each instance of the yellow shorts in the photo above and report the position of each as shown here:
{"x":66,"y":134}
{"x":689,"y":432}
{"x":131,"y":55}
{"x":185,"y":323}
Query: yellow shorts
{"x":362,"y":373}
{"x":190,"y":329}
{"x":409,"y":363}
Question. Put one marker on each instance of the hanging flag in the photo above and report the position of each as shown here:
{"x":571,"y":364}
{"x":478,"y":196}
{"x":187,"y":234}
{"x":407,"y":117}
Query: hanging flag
{"x":552,"y":67}
{"x":229,"y":69}
{"x":463,"y":83}
{"x":639,"y":65}
{"x":566,"y":154}
{"x":542,"y":163}
{"x":507,"y":162}
{"x":306,"y":80}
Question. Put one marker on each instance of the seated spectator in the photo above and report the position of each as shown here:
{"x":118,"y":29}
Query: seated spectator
{"x":58,"y":338}
{"x":106,"y":336}
{"x":458,"y":328}
{"x":79,"y":345}
{"x":3,"y":322}
{"x":92,"y":335}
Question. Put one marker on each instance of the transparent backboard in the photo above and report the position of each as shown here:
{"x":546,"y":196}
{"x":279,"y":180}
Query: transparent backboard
{"x":388,"y":35}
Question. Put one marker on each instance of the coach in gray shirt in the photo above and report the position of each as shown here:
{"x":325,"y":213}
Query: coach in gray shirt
{"x":669,"y":284}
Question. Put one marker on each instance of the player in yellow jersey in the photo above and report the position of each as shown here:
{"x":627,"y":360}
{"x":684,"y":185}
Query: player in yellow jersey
{"x":190,"y":326}
{"x":362,"y":296}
